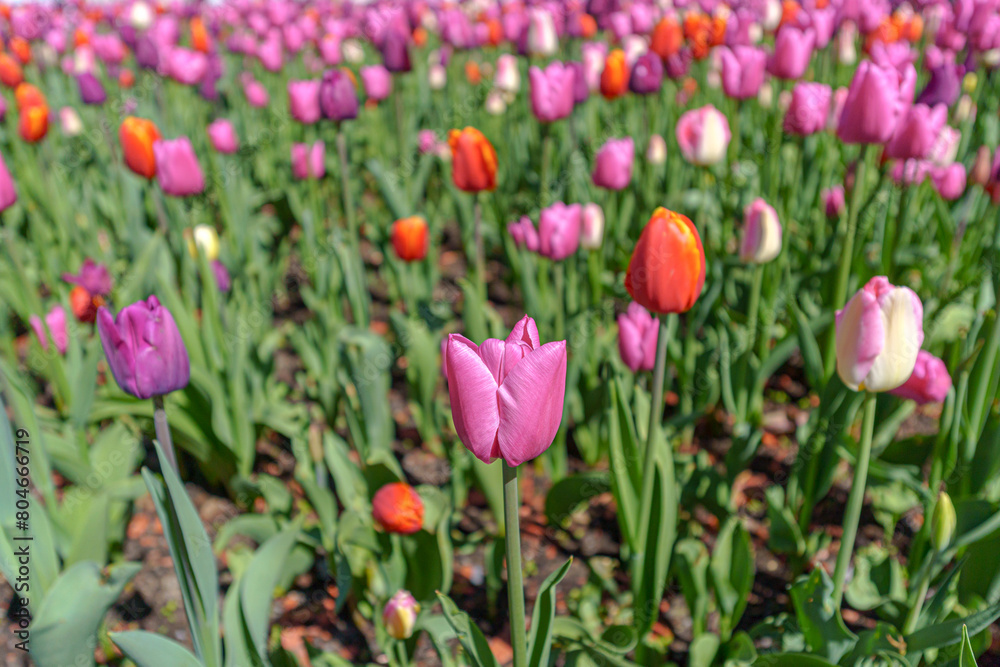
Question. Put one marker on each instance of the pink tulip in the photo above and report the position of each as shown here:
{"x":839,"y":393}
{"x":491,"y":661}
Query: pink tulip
{"x":303,"y":101}
{"x":186,"y":66}
{"x":8,"y":193}
{"x":638,"y":332}
{"x":703,"y":135}
{"x":55,"y":322}
{"x":917,"y":132}
{"x":877,"y":101}
{"x":742,"y":71}
{"x":524,"y":233}
{"x":793,"y":47}
{"x":613,"y":164}
{"x":377,"y":82}
{"x":949,"y":181}
{"x":551,"y":91}
{"x":256,"y":93}
{"x":879,"y":333}
{"x":223,"y":136}
{"x":507,"y":395}
{"x":808,"y":110}
{"x":929,"y":382}
{"x":833,"y":201}
{"x":559,"y":230}
{"x":309,"y":162}
{"x":761,"y":240}
{"x":177,"y":168}
{"x":270,"y":53}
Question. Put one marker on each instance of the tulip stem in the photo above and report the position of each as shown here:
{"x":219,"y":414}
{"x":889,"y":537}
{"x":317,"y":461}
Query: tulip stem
{"x":656,"y":406}
{"x":515,"y":581}
{"x":753,"y":320}
{"x":924,"y":583}
{"x":163,"y":430}
{"x":852,"y":514}
{"x":846,"y":257}
{"x":345,"y":185}
{"x":477,"y":232}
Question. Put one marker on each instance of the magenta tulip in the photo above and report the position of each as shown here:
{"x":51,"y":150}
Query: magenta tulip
{"x":559,"y":230}
{"x":793,"y":48}
{"x":808,"y":110}
{"x":524,"y":234}
{"x":638,"y":332}
{"x":377,"y":82}
{"x":92,"y":276}
{"x":55,"y":322}
{"x":303,"y":101}
{"x":613,"y":164}
{"x":186,"y":66}
{"x":223,"y":136}
{"x":877,"y":100}
{"x":742,"y":71}
{"x":177,"y":168}
{"x":833,"y":201}
{"x":949,"y":181}
{"x":552,"y":91}
{"x":929,"y":383}
{"x":309,"y":161}
{"x":507,"y":395}
{"x":8,"y":193}
{"x":917,"y":132}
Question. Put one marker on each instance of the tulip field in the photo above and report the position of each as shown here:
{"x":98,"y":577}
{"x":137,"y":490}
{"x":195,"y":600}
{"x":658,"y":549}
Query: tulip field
{"x":500,"y":332}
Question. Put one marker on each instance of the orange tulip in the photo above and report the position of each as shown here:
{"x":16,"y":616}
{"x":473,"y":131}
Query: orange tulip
{"x":137,"y":136}
{"x":472,"y":72}
{"x":10,"y":71}
{"x":495,"y":32}
{"x":667,"y":38}
{"x":409,"y":238}
{"x":126,"y":79}
{"x":34,"y":123}
{"x":700,"y":31}
{"x":80,"y":37}
{"x":84,"y":304}
{"x":200,"y":39}
{"x":473,"y":160}
{"x":667,"y":269}
{"x":419,"y":36}
{"x":21,"y":49}
{"x":790,"y":12}
{"x":398,"y":508}
{"x":914,"y":29}
{"x":588,"y":26}
{"x":26,"y":95}
{"x":717,"y":31}
{"x":614,"y":78}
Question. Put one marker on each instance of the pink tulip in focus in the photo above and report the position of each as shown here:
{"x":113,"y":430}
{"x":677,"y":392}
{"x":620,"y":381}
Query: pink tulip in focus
{"x":55,"y":322}
{"x":638,"y":332}
{"x":507,"y":395}
{"x":879,"y":333}
{"x":303,"y":101}
{"x":177,"y":168}
{"x":551,"y":91}
{"x":703,"y":135}
{"x":223,"y":136}
{"x":929,"y":382}
{"x":559,"y":231}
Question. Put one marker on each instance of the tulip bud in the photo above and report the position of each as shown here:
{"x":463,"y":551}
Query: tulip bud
{"x":398,"y":508}
{"x":761,"y":240}
{"x":222,"y":134}
{"x":879,"y":334}
{"x":667,"y":269}
{"x":929,"y":382}
{"x":615,"y":76}
{"x":400,"y":615}
{"x":943,"y":522}
{"x":656,"y":151}
{"x":592,"y":235}
{"x":409,"y":238}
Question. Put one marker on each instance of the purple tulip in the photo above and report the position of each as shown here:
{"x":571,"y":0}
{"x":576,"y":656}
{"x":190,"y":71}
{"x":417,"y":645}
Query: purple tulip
{"x":221,"y":274}
{"x":929,"y":382}
{"x":944,"y":86}
{"x":92,"y":276}
{"x":613,"y":164}
{"x":144,"y":348}
{"x":91,"y":89}
{"x":309,"y":161}
{"x":338,"y":99}
{"x":177,"y":168}
{"x":303,"y":101}
{"x":793,"y":47}
{"x":507,"y":395}
{"x":559,"y":230}
{"x":647,"y":74}
{"x":742,"y":71}
{"x":809,"y":108}
{"x":223,"y":136}
{"x":147,"y":54}
{"x":580,"y":89}
{"x":877,"y":100}
{"x":524,"y":234}
{"x":55,"y":322}
{"x":638,"y":332}
{"x":8,"y":193}
{"x":377,"y":82}
{"x":917,"y":132}
{"x":552,"y":91}
{"x":395,"y":50}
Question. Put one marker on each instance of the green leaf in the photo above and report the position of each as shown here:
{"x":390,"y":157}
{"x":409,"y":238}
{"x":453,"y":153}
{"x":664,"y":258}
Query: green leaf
{"x":624,"y":456}
{"x":147,"y":649}
{"x":732,"y":569}
{"x":64,"y":629}
{"x":950,"y":632}
{"x":258,"y":583}
{"x":791,"y":660}
{"x":703,"y":650}
{"x":468,"y":633}
{"x":824,"y":629}
{"x":967,"y":658}
{"x":569,"y":493}
{"x":542,"y":617}
{"x":656,"y":538}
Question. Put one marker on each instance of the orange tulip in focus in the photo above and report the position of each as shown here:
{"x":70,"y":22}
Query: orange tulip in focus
{"x":34,"y":123}
{"x":10,"y":71}
{"x":472,"y":72}
{"x":137,"y":136}
{"x":409,"y":238}
{"x":398,"y":508}
{"x":200,"y":40}
{"x":473,"y":160}
{"x":667,"y":269}
{"x":667,"y":38}
{"x":588,"y":26}
{"x":27,"y":95}
{"x":614,"y":78}
{"x":21,"y":49}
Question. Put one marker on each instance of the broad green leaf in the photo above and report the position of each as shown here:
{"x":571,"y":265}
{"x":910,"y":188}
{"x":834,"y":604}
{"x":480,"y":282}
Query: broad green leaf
{"x":824,"y":629}
{"x":569,"y":493}
{"x":791,"y":660}
{"x":147,"y":649}
{"x":258,"y":583}
{"x":703,"y":650}
{"x":967,"y":658}
{"x":656,"y":538}
{"x":468,"y":633}
{"x":544,"y":613}
{"x":950,"y":632}
{"x":732,"y":569}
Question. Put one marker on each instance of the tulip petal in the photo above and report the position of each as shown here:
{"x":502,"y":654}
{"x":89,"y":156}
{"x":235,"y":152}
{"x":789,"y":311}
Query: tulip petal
{"x":473,"y":392}
{"x":860,"y":337}
{"x":525,"y":331}
{"x":902,"y":317}
{"x":119,"y":350}
{"x":531,"y":403}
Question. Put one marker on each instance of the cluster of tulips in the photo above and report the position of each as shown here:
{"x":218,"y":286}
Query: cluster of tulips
{"x":682,"y":196}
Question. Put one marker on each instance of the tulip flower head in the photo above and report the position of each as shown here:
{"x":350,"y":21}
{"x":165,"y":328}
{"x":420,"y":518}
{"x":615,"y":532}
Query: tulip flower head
{"x":929,"y":382}
{"x":8,"y":193}
{"x":592,"y":235}
{"x":474,"y":160}
{"x":507,"y":395}
{"x":137,"y":136}
{"x":552,"y":91}
{"x":809,"y":108}
{"x":877,"y":100}
{"x":638,"y":332}
{"x":309,"y":161}
{"x":222,"y":134}
{"x":55,"y":324}
{"x":703,"y":135}
{"x":338,"y":95}
{"x":879,"y":334}
{"x":33,"y":123}
{"x":144,"y":349}
{"x":400,"y":615}
{"x":177,"y":168}
{"x":92,"y":276}
{"x":761,"y":240}
{"x":667,"y":269}
{"x":398,"y":508}
{"x":742,"y":71}
{"x":615,"y":76}
{"x":377,"y":82}
{"x":613,"y":164}
{"x":303,"y":100}
{"x":559,"y":231}
{"x":524,"y":234}
{"x":409,"y":238}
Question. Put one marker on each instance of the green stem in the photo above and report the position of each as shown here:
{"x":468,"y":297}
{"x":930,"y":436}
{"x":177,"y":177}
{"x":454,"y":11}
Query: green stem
{"x":898,"y":233}
{"x":477,"y":231}
{"x":656,"y":406}
{"x":163,"y":430}
{"x":852,"y":514}
{"x":345,"y":186}
{"x":515,"y":581}
{"x":846,"y":258}
{"x":753,"y":319}
{"x":925,"y":582}
{"x":546,"y":160}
